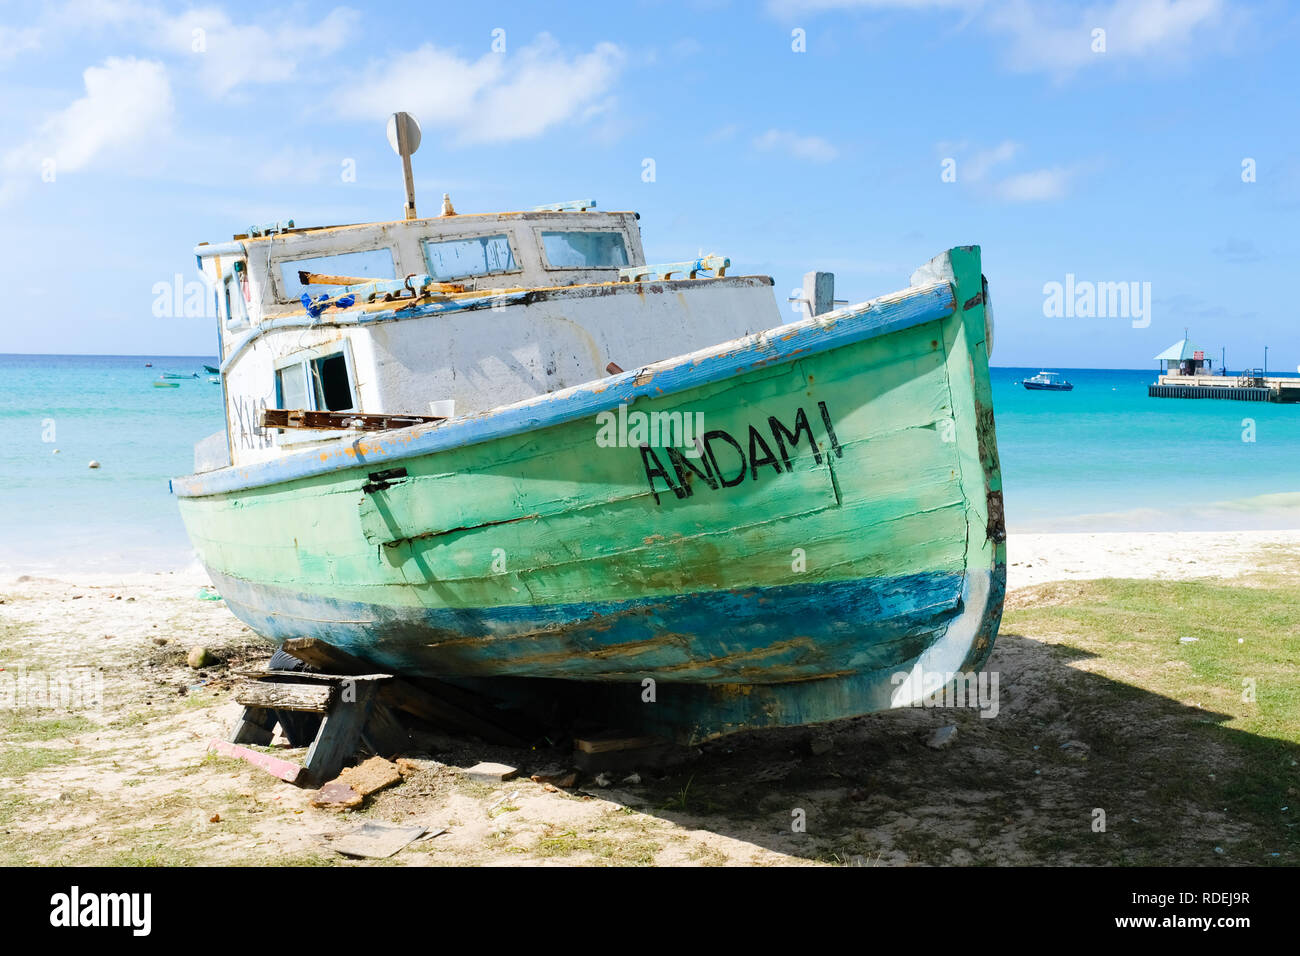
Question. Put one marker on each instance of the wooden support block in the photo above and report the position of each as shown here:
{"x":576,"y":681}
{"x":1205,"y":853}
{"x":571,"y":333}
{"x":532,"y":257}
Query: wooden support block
{"x":384,"y":733}
{"x":445,"y":706}
{"x":251,"y":728}
{"x":279,"y":695}
{"x":339,"y":733}
{"x":614,"y":740}
{"x":289,"y":772}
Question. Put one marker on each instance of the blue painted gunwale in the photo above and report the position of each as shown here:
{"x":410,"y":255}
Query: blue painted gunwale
{"x":783,"y":343}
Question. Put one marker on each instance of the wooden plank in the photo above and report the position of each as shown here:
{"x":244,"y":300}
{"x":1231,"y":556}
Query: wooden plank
{"x":339,"y":734}
{"x":325,"y":657}
{"x":289,"y":772}
{"x":318,"y":278}
{"x":606,"y":743}
{"x":281,"y":695}
{"x":302,"y":418}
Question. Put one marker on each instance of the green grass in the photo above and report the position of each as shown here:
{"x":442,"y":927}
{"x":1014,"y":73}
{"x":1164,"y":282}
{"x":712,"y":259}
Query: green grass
{"x":17,"y":761}
{"x":612,"y":848}
{"x":1172,"y":721}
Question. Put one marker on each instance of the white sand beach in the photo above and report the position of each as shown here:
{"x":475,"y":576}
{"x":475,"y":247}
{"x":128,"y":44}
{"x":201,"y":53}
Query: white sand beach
{"x":1167,"y":555}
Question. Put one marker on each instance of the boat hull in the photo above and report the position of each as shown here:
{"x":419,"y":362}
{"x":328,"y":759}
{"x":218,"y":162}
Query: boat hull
{"x":837,"y":543}
{"x":1038,"y":387}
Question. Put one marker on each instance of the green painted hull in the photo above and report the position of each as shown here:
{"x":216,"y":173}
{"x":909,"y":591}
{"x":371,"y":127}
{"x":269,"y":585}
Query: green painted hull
{"x":843,"y":527}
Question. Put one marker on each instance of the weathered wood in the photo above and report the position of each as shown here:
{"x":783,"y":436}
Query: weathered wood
{"x":384,"y":733}
{"x":340,"y":733}
{"x":605,"y":743}
{"x":302,"y":418}
{"x":819,"y":292}
{"x":443,"y":705}
{"x":251,"y":728}
{"x":289,"y":772}
{"x":665,"y":270}
{"x":361,"y":282}
{"x":283,"y":695}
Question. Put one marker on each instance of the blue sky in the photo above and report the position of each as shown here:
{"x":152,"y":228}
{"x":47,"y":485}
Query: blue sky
{"x":130,"y":131}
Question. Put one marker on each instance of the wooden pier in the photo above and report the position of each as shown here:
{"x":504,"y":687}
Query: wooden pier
{"x":1247,"y":387}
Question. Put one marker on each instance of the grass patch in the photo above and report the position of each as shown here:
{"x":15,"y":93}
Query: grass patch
{"x":606,"y":847}
{"x":17,"y":761}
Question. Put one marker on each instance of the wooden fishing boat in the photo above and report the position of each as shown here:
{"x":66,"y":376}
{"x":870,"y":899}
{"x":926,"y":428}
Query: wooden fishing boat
{"x":503,"y":451}
{"x":180,"y":375}
{"x":161,"y":384}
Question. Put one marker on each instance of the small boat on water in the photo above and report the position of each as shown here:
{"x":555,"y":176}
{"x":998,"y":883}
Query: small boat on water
{"x":502,"y":450}
{"x":211,"y":371}
{"x":1047,"y":382}
{"x":180,"y":375}
{"x":214,"y":379}
{"x":162,"y":384}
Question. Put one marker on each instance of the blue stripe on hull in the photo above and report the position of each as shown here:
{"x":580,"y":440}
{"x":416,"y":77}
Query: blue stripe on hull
{"x":754,"y":635}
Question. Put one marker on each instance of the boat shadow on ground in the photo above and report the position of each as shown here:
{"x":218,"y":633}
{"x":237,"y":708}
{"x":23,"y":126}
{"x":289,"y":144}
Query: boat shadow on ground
{"x":1074,"y":768}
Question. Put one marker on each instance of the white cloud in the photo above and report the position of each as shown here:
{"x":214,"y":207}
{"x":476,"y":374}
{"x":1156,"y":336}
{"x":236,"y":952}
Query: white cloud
{"x":235,"y":54}
{"x":496,"y":98}
{"x":225,"y":54}
{"x":16,"y":40}
{"x":812,"y":148}
{"x":792,"y":7}
{"x":1037,"y":185}
{"x":981,"y":168}
{"x":1056,"y":36}
{"x":127,"y":109}
{"x":977,"y":168}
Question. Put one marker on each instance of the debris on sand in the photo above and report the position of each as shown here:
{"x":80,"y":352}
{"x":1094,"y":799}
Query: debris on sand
{"x":374,"y":840}
{"x":488,"y":772}
{"x":562,"y":779}
{"x":199,"y":657}
{"x":370,"y":776}
{"x":336,"y":796}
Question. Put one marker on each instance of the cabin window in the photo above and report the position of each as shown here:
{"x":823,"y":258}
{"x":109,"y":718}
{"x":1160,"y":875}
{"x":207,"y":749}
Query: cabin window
{"x":584,"y":250}
{"x":321,"y":384}
{"x":332,"y":385}
{"x":236,"y":307}
{"x":368,"y":266}
{"x":291,"y":386}
{"x":475,"y":256}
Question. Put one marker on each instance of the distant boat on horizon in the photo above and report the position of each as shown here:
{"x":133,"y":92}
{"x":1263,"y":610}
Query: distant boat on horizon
{"x":1047,"y":382}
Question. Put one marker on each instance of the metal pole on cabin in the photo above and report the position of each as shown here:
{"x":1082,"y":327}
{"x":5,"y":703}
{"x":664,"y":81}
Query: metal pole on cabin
{"x":406,"y":170}
{"x":404,"y":136}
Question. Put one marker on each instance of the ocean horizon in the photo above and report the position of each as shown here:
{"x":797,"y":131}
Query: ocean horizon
{"x":1103,"y":457}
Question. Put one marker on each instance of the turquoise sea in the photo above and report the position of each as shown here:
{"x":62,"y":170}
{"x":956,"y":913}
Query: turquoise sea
{"x":1102,"y":457}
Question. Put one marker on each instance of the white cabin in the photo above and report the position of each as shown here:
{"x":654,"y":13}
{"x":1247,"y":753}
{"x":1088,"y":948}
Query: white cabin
{"x":482,"y":311}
